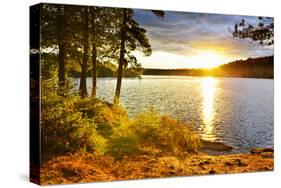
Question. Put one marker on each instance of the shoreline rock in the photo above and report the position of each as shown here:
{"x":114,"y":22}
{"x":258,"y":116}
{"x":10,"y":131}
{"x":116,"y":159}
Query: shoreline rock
{"x":216,"y":146}
{"x":261,"y":150}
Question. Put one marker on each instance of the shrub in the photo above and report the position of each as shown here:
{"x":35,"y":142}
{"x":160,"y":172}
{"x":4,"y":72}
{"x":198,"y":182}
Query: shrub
{"x":123,"y":141}
{"x":123,"y":145}
{"x":178,"y":136}
{"x":165,"y":133}
{"x":63,"y":127}
{"x":106,"y":116}
{"x":70,"y":124}
{"x":146,"y":125}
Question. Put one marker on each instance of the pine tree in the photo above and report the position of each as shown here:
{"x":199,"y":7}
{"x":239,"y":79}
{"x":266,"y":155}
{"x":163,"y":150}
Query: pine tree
{"x":131,"y":37}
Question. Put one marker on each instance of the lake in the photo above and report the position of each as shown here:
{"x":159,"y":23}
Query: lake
{"x":235,"y":111}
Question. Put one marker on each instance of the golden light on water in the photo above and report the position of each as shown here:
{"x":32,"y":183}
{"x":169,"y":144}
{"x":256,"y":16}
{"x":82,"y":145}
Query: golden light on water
{"x":208,"y":92}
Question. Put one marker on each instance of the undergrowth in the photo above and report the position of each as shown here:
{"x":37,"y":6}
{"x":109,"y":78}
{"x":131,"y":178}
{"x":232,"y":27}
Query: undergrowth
{"x":72,"y":124}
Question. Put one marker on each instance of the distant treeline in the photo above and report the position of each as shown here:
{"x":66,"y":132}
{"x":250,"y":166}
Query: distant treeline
{"x":261,"y":67}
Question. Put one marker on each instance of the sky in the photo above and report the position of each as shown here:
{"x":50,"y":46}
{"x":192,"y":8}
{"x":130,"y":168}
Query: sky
{"x":195,"y":40}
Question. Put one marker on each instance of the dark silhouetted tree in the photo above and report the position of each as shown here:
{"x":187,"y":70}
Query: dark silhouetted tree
{"x":103,"y":24}
{"x":95,"y":33}
{"x":85,"y":29}
{"x":132,"y":37}
{"x":61,"y":20}
{"x":55,"y":33}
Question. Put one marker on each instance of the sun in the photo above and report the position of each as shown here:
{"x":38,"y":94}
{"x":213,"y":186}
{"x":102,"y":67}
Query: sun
{"x":207,"y":59}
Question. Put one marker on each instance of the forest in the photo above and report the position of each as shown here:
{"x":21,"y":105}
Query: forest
{"x":261,"y":67}
{"x":85,"y":39}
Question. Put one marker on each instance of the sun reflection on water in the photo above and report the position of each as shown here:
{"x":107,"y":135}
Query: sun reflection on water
{"x":208,"y":92}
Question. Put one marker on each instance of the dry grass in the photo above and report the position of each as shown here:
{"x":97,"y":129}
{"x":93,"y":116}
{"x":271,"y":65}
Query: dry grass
{"x":91,"y":168}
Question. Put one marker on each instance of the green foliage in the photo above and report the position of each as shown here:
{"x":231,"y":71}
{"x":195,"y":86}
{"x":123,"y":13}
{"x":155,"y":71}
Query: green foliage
{"x":151,"y":129}
{"x":177,"y":136}
{"x":70,"y":123}
{"x":48,"y":62}
{"x":123,"y":141}
{"x":146,"y":125}
{"x":123,"y":145}
{"x":100,"y":144}
{"x":165,"y":133}
{"x":106,"y":116}
{"x":63,"y":127}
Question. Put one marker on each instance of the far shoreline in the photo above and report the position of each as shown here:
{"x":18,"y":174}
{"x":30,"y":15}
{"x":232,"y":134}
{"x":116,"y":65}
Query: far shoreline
{"x":214,"y":76}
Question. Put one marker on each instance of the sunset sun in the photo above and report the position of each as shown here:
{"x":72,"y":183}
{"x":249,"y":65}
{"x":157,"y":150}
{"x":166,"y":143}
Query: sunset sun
{"x":208,"y":59}
{"x":202,"y":59}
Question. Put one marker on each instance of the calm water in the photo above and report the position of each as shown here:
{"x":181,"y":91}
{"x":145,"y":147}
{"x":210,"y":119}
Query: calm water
{"x":236,"y":111}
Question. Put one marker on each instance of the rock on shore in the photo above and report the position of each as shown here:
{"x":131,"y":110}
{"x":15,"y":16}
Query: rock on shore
{"x":217,"y":146}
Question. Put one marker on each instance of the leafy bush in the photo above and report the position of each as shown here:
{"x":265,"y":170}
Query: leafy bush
{"x":70,"y":124}
{"x":178,"y":136}
{"x":106,"y":116}
{"x":146,"y":126}
{"x":165,"y":133}
{"x":63,"y":127}
{"x":123,"y":145}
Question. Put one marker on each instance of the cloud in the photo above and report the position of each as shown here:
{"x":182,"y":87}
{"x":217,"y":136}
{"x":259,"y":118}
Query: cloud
{"x":186,"y":33}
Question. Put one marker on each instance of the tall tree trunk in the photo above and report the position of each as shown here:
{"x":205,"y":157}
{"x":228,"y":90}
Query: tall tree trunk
{"x":83,"y":82}
{"x":94,"y":57}
{"x":121,"y":58}
{"x":61,"y":45}
{"x":61,"y":64}
{"x":94,"y":73}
